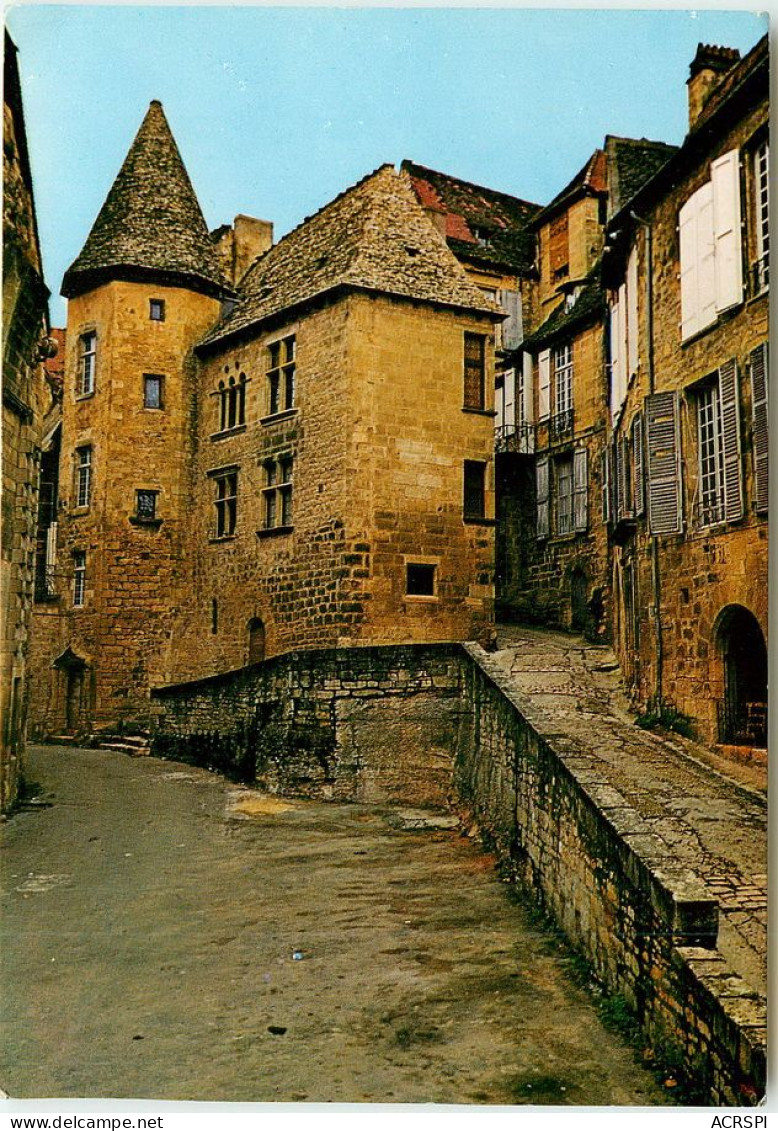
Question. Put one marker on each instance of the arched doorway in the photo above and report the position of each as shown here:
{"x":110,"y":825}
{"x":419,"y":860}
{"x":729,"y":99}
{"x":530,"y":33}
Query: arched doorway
{"x":72,"y":669}
{"x":256,"y":640}
{"x":741,"y":646}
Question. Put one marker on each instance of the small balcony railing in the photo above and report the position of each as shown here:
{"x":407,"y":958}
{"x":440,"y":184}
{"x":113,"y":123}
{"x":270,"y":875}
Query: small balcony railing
{"x":518,"y":438}
{"x":560,"y":426}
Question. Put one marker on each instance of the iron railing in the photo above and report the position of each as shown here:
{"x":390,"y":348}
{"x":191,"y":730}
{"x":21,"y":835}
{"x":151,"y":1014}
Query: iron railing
{"x":519,"y":438}
{"x":742,"y":724}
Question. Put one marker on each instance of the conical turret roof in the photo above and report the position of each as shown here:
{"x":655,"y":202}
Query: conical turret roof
{"x":151,"y":222}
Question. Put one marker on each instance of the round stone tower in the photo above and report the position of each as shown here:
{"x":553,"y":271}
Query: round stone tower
{"x":147,"y":285}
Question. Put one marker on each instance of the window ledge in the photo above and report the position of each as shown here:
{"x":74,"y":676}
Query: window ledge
{"x":153,"y":408}
{"x":79,"y":512}
{"x":721,"y":319}
{"x":222,"y":538}
{"x":479,"y":411}
{"x":228,"y":432}
{"x":276,"y":417}
{"x":46,"y":598}
{"x":478,"y":520}
{"x":154,"y":523}
{"x":84,"y":396}
{"x":415,"y":598}
{"x":270,"y":531}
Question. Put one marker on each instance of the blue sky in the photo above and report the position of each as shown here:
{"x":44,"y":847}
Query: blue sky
{"x":277,"y":109}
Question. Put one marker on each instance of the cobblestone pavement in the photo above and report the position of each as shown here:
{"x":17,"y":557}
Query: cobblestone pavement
{"x":168,"y":935}
{"x":712,"y":814}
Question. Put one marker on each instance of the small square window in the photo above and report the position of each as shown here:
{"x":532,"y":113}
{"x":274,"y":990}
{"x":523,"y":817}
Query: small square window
{"x":146,"y":505}
{"x":420,"y":579}
{"x":152,"y":391}
{"x":157,"y":309}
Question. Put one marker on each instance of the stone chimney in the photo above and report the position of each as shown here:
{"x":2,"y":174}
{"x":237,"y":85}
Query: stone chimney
{"x":706,"y":71}
{"x":240,"y":243}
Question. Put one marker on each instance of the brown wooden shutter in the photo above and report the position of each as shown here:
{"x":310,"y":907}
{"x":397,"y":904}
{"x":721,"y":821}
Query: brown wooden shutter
{"x":580,"y":489}
{"x":638,"y":492}
{"x":621,"y":479}
{"x":543,"y":510}
{"x":559,"y":254}
{"x":759,"y":418}
{"x":730,"y":433}
{"x":475,"y":366}
{"x":664,"y":463}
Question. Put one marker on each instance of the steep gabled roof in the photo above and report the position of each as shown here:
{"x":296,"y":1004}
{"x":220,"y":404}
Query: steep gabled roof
{"x":150,"y":222}
{"x":591,"y":180}
{"x":375,"y":237}
{"x":470,"y":208}
{"x":630,"y":162}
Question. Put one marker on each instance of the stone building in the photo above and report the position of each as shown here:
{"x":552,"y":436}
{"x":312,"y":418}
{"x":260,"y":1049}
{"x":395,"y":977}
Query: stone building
{"x":28,"y":395}
{"x":298,"y":457}
{"x":554,"y":546}
{"x":687,"y":510}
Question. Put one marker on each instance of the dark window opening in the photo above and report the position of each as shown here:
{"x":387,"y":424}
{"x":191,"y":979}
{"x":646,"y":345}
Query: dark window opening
{"x":475,"y":489}
{"x":232,"y":403}
{"x":226,"y":503}
{"x":214,"y":616}
{"x":157,"y":309}
{"x":256,"y":640}
{"x":146,"y":505}
{"x":420,"y":580}
{"x":278,"y":493}
{"x":281,"y":376}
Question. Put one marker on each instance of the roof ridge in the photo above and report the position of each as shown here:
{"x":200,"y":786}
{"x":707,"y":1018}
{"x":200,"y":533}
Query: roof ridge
{"x":406,"y":163}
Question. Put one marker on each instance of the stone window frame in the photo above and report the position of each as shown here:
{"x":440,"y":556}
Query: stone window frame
{"x":225,"y":501}
{"x":148,"y":378}
{"x":87,"y":364}
{"x":281,"y":377}
{"x":79,"y":579}
{"x":231,"y":406}
{"x":474,"y":372}
{"x":145,"y":515}
{"x":277,"y":494}
{"x":156,"y":310}
{"x":409,"y":562}
{"x":83,"y":476}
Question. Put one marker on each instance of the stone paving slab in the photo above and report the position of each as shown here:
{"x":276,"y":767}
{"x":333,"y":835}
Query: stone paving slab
{"x":711,"y":815}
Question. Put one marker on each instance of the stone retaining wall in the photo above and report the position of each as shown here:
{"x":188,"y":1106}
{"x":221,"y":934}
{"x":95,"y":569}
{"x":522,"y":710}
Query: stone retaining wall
{"x":360,"y":724}
{"x":647,"y":926}
{"x":441,"y":724}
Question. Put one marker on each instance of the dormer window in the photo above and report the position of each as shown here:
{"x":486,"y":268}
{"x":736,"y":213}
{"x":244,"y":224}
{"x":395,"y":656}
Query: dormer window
{"x":482,"y":235}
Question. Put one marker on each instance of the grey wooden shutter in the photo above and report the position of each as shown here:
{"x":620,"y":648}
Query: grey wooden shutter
{"x":759,"y":418}
{"x":580,"y":489}
{"x":605,"y":478}
{"x":510,"y":301}
{"x":665,"y":513}
{"x":638,"y":493}
{"x":620,"y":475}
{"x":730,"y":434}
{"x":543,"y":509}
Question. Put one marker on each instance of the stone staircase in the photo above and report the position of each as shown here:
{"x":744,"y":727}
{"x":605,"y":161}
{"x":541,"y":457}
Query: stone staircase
{"x":136,"y":745}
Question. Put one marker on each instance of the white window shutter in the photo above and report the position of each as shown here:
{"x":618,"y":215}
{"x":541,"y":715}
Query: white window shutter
{"x":509,"y":399}
{"x":543,"y":509}
{"x":632,"y":312}
{"x":512,"y":335}
{"x":614,"y":336}
{"x":499,"y":405}
{"x":623,"y":374}
{"x":544,"y":384}
{"x":687,"y":225}
{"x":580,"y":489}
{"x":729,"y":394}
{"x":638,"y":493}
{"x":706,"y":257}
{"x":759,"y":418}
{"x":665,"y":513}
{"x":725,"y":179}
{"x":527,"y":383}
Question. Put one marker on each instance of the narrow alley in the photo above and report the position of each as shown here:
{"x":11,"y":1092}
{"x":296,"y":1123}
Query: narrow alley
{"x":169,"y":935}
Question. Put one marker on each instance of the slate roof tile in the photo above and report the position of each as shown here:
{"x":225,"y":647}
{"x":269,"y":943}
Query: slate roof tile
{"x":374,"y":236}
{"x":151,"y":220}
